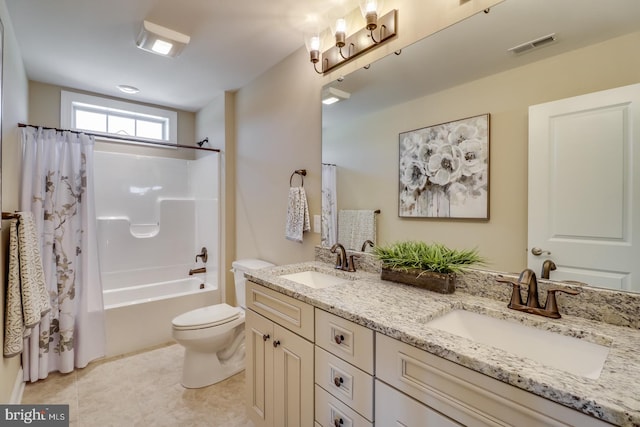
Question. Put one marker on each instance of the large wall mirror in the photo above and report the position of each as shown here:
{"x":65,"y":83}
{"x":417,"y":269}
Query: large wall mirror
{"x":463,"y":71}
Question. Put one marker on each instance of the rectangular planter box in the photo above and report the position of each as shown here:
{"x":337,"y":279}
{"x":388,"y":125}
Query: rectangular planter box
{"x":430,"y":280}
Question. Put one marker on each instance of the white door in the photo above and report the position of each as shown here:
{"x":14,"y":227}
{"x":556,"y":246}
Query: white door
{"x":584,"y":188}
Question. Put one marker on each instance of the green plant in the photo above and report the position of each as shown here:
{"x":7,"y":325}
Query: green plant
{"x":414,"y":255}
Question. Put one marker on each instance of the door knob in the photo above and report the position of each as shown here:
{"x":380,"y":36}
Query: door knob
{"x":338,"y":381}
{"x":338,"y":422}
{"x":339,"y":338}
{"x":276,"y":343}
{"x":265,"y":337}
{"x":538,"y":251}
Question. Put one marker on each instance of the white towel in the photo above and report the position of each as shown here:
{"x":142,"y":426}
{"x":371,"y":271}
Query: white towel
{"x":355,"y":227}
{"x":27,"y":296}
{"x":297,"y":214}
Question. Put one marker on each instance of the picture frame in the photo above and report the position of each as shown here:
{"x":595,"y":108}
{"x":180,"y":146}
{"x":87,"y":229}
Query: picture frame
{"x":444,"y":170}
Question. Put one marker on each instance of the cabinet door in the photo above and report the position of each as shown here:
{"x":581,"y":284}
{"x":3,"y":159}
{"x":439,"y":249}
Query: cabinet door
{"x":293,"y":379}
{"x":397,"y":409}
{"x":259,"y":372}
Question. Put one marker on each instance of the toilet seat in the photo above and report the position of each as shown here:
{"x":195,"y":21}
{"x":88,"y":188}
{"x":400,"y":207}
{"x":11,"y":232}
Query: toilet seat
{"x":206,"y":317}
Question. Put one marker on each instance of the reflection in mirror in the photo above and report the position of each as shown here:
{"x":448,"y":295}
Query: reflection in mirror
{"x":465,"y":70}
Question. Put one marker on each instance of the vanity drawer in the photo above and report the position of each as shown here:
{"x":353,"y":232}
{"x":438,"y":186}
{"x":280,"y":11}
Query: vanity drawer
{"x":347,"y":340}
{"x":295,"y":315}
{"x":394,"y":408}
{"x":330,"y":412}
{"x":344,"y":381}
{"x":464,"y":395}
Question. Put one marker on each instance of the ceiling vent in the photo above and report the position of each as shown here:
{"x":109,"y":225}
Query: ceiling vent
{"x":533,"y":44}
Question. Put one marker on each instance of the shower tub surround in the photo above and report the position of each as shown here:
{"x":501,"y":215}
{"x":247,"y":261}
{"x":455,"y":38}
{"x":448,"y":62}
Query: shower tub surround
{"x":401,"y":311}
{"x":154,"y":214}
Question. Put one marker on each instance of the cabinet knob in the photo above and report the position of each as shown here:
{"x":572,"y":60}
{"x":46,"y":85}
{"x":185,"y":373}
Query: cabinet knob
{"x":338,"y":381}
{"x":339,"y":338}
{"x":265,"y":337}
{"x":276,"y":343}
{"x":338,"y":422}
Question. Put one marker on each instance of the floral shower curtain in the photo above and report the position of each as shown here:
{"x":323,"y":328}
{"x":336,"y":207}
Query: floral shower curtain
{"x":57,"y":186}
{"x":329,"y":235}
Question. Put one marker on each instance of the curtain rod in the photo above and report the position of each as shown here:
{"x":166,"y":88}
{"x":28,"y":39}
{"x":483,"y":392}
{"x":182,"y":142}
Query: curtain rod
{"x":122,"y":140}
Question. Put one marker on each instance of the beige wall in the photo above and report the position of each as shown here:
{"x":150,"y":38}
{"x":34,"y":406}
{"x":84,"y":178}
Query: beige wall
{"x":14,"y":110}
{"x":44,"y":110}
{"x":366,"y":150}
{"x":216,"y":122}
{"x":278,"y":126}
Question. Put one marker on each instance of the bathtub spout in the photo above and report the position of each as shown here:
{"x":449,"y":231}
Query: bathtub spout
{"x":197,"y":270}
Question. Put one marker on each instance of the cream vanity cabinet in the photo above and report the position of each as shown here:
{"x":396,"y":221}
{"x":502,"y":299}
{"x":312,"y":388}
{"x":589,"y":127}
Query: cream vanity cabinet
{"x":279,"y":363}
{"x":344,"y":372}
{"x":449,"y":394}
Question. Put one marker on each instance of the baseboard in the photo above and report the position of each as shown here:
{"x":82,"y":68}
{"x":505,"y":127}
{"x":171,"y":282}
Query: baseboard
{"x":18,"y":388}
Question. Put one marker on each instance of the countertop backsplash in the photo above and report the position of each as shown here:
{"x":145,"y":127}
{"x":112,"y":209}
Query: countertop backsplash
{"x":603,"y":305}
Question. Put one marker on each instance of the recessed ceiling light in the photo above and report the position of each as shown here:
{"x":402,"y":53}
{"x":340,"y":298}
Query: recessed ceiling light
{"x":128,"y":89}
{"x":160,"y":40}
{"x":331,"y":95}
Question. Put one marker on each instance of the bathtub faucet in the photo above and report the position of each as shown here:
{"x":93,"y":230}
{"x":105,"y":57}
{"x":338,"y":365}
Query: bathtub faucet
{"x":197,"y":270}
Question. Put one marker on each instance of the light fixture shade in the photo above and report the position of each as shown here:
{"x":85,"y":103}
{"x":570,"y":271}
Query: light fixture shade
{"x":339,"y":30}
{"x":339,"y":26}
{"x":313,"y":42}
{"x":370,"y":11}
{"x":160,"y":40}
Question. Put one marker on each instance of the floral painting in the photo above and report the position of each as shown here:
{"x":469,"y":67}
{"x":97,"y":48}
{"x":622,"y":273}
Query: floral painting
{"x":444,"y":170}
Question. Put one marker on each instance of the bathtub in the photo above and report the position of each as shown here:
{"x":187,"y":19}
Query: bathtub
{"x":139,"y":317}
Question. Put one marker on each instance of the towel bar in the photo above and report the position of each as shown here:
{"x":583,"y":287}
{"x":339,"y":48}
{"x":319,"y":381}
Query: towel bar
{"x":9,"y":215}
{"x":301,"y":172}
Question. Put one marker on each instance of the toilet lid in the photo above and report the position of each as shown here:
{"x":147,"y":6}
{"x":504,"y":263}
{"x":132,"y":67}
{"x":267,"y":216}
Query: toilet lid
{"x":204,"y":317}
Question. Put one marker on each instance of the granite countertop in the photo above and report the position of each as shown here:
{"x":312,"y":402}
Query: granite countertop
{"x":401,"y":311}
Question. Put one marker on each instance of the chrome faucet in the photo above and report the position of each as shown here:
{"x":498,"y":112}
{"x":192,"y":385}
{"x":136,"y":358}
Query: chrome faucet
{"x":342,"y":262}
{"x":528,"y":277}
{"x":547,"y":267}
{"x":197,"y":270}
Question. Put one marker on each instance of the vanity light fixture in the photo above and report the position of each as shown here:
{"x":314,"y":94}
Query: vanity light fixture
{"x":331,"y":95}
{"x":376,"y":31}
{"x":160,"y":40}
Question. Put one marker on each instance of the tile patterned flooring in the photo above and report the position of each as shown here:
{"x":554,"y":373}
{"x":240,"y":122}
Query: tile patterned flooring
{"x":141,"y":389}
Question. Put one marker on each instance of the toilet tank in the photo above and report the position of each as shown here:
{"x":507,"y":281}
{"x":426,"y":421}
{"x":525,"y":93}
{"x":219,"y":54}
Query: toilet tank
{"x":241,"y":266}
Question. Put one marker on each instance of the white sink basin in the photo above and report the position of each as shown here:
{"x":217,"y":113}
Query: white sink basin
{"x":314,"y":279}
{"x":558,"y":351}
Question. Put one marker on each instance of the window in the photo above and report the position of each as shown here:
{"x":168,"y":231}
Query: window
{"x":108,"y":117}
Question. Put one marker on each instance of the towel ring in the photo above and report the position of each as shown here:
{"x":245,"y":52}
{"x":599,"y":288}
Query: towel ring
{"x":302,"y":173}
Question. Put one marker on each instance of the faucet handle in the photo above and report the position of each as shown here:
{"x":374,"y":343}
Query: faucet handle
{"x":551,"y":306}
{"x":203,"y":254}
{"x":351,"y":264}
{"x":516,"y":298}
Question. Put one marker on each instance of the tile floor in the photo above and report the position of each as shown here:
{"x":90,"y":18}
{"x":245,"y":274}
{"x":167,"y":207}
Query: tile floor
{"x":142,"y":389}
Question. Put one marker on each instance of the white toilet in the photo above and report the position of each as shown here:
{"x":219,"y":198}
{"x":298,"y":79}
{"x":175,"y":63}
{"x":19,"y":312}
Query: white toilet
{"x":213,"y":336}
